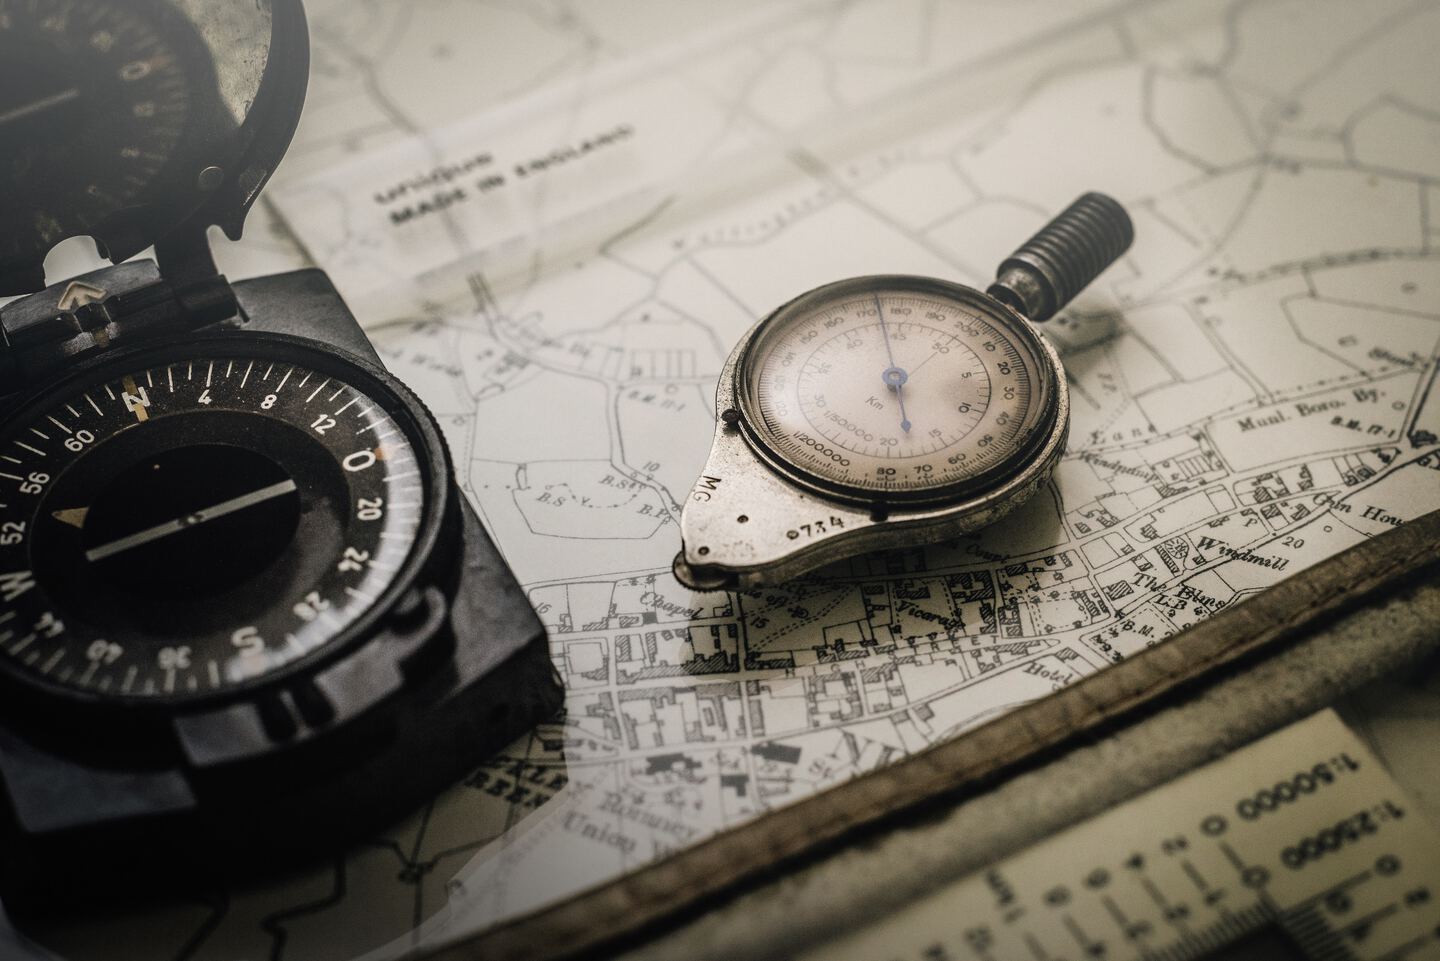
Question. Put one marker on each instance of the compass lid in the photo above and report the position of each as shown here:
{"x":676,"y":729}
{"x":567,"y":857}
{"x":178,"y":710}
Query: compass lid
{"x":127,"y":121}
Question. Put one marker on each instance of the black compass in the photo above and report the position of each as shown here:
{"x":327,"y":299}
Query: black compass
{"x":245,"y":610}
{"x":156,"y":506}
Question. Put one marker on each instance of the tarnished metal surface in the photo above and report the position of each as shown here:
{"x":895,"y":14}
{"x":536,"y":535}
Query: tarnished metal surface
{"x":237,"y":35}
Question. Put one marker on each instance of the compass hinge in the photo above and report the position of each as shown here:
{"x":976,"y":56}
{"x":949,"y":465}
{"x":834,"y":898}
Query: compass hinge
{"x":116,"y":305}
{"x":206,"y":302}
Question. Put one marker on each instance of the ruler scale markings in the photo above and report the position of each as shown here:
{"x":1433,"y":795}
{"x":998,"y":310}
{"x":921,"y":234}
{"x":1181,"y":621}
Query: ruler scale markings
{"x":1370,"y":918}
{"x":1194,"y":875}
{"x":1113,"y":909}
{"x":1336,"y":888}
{"x":1234,"y":858}
{"x":1286,"y":834}
{"x":1311,"y":933}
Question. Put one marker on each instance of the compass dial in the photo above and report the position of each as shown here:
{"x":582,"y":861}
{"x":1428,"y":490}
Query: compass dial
{"x":898,"y":388}
{"x":95,"y":96}
{"x":177,"y":526}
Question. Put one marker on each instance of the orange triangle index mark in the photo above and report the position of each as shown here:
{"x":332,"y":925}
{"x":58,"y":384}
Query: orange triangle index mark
{"x":75,"y":517}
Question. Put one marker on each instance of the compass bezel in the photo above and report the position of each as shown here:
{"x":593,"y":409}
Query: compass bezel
{"x":429,"y":554}
{"x":1041,"y":422}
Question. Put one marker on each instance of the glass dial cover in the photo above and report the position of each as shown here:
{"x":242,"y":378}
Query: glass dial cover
{"x":178,"y":525}
{"x":896,"y":388}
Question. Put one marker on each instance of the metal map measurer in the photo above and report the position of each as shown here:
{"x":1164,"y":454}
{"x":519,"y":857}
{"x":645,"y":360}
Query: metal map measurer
{"x":881,"y":411}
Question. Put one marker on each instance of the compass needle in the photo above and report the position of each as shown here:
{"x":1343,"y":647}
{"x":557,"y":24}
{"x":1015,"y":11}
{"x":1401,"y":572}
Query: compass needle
{"x":187,"y":521}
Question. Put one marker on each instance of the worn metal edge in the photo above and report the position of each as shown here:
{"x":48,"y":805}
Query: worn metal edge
{"x":650,"y":896}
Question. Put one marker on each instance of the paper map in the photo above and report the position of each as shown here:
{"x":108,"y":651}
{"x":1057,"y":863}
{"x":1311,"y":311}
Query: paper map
{"x":1253,"y":384}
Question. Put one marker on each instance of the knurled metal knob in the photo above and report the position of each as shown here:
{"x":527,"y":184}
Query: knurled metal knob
{"x":1064,"y":256}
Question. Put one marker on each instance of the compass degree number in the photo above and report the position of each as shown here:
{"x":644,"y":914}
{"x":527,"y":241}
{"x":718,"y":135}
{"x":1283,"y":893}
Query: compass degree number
{"x":149,"y":519}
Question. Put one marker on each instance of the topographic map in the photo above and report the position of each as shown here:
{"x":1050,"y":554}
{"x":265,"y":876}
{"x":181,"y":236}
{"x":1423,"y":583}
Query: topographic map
{"x":1254,"y":384}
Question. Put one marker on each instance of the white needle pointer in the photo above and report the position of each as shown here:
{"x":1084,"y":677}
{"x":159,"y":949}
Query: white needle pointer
{"x":45,"y":103}
{"x":190,"y":520}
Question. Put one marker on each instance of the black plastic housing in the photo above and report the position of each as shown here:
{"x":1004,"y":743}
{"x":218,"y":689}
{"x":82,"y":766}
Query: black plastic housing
{"x":177,"y":796}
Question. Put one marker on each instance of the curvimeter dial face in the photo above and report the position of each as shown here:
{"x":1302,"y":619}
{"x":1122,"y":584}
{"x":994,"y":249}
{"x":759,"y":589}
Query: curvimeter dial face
{"x":180,"y":525}
{"x":895,"y":388}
